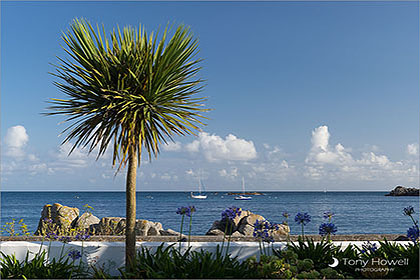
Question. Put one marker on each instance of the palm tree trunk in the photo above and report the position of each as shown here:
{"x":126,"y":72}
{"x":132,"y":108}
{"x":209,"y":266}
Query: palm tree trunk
{"x":130,"y":233}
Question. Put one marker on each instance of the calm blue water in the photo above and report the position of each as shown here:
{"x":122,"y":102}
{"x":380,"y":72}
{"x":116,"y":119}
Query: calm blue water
{"x":355,"y":212}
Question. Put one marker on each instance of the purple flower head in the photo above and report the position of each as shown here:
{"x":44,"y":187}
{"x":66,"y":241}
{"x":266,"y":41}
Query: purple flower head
{"x":51,"y":236}
{"x":74,"y":254}
{"x":65,"y":239}
{"x":262,"y":230}
{"x":327,"y":229}
{"x":231,"y":213}
{"x":182,"y":210}
{"x":413,"y":233}
{"x":186,"y":210}
{"x":302,"y":218}
{"x":82,"y":236}
{"x":368,"y":247}
{"x":408,"y":211}
{"x":286,"y":215}
{"x":192,"y":209}
{"x":271,"y":226}
{"x":328,"y":215}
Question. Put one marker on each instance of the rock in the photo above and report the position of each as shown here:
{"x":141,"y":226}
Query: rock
{"x":215,"y":232}
{"x":237,"y":234}
{"x":168,"y":232}
{"x":243,"y":225}
{"x":246,"y":225}
{"x":148,"y":228}
{"x":111,"y":226}
{"x":63,"y":216}
{"x":402,"y":238}
{"x":116,"y":226}
{"x":246,"y":230}
{"x":283,"y":230}
{"x":215,"y":227}
{"x":55,"y":218}
{"x":403,"y":191}
{"x":85,"y":221}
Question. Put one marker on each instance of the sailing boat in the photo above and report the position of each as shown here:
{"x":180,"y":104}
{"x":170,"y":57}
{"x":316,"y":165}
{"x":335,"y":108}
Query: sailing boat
{"x":243,"y":197}
{"x":199,"y":196}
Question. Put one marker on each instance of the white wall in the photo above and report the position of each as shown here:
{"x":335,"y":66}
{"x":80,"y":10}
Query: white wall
{"x":111,"y":254}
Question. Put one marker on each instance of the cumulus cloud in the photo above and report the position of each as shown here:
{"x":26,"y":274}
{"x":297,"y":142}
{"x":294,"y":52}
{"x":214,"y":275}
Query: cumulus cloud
{"x":172,"y":147}
{"x":193,"y":147}
{"x":15,"y":140}
{"x":325,"y":161}
{"x":322,"y":153}
{"x":413,"y":149}
{"x":215,"y":148}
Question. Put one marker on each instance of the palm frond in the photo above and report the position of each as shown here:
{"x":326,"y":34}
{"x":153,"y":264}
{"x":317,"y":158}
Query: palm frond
{"x":128,"y":90}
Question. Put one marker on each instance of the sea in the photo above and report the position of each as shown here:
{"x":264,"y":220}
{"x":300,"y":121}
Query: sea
{"x":354,"y":212}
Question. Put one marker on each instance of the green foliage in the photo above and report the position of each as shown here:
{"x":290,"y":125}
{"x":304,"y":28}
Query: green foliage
{"x":350,"y":252}
{"x":129,"y":88}
{"x":38,"y":267}
{"x":320,"y":253}
{"x":9,"y":228}
{"x":170,"y":263}
{"x":329,"y":273}
{"x":394,"y":251}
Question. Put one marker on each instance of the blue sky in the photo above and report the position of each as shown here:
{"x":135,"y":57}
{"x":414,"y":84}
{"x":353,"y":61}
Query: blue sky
{"x":313,"y":95}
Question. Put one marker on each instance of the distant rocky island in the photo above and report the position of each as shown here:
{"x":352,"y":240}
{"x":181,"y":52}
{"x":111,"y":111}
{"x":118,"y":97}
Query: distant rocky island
{"x":246,"y":193}
{"x":403,"y":191}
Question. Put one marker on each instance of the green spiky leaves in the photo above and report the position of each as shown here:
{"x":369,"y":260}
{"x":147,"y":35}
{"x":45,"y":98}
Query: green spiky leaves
{"x":128,"y":90}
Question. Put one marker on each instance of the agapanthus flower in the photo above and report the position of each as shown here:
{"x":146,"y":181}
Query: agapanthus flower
{"x":262,"y":230}
{"x":65,"y":239}
{"x":408,"y":211}
{"x":186,"y":210}
{"x":74,"y":254}
{"x":328,"y":215}
{"x":302,"y":218}
{"x":413,"y":233}
{"x":286,"y":215}
{"x":51,"y":236}
{"x":231,"y":213}
{"x":327,"y":229}
{"x":367,"y":246}
{"x":82,"y":236}
{"x":192,"y":209}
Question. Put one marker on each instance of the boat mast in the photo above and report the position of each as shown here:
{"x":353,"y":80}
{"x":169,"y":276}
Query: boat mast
{"x":199,"y":185}
{"x":243,"y":185}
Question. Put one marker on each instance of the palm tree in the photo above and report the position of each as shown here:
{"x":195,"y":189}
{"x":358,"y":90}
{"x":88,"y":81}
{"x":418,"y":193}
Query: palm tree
{"x":128,"y":91}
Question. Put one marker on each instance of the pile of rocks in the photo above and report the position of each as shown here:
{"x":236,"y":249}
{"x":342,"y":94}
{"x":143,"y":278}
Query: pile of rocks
{"x":65,"y":218}
{"x":62,"y":218}
{"x":403,"y":191}
{"x":243,"y":225}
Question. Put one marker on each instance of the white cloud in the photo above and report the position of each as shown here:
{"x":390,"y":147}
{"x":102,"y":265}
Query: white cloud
{"x":233,"y":173}
{"x":413,"y":149}
{"x":15,"y":140}
{"x":32,"y":157}
{"x":320,"y":138}
{"x":77,"y":158}
{"x":326,"y":162}
{"x":322,"y":153}
{"x":193,"y":147}
{"x":216,"y":148}
{"x":172,"y":147}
